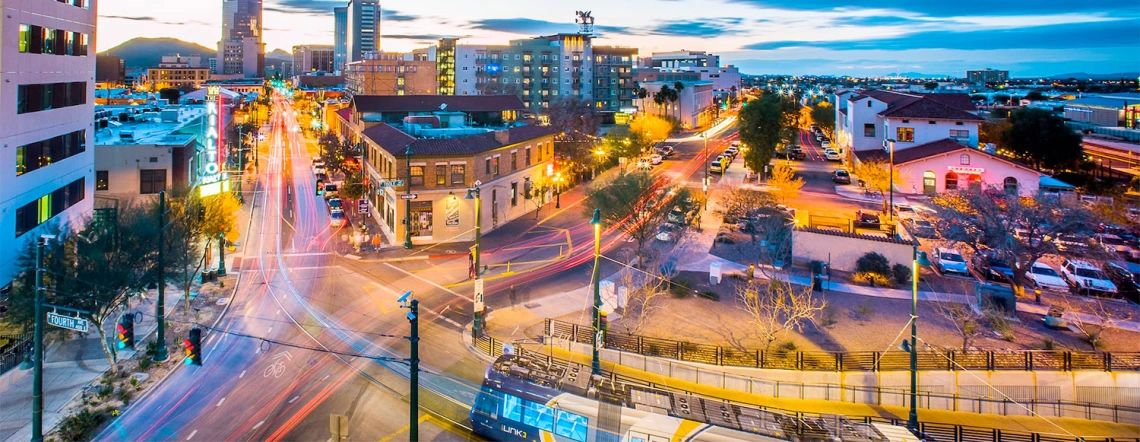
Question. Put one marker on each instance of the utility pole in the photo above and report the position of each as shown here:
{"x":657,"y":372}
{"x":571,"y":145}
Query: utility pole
{"x":595,"y":362}
{"x":38,"y":337}
{"x":160,"y":306}
{"x":891,"y":209}
{"x":477,"y":324}
{"x":706,"y":182}
{"x":414,"y":361}
{"x":408,"y":201}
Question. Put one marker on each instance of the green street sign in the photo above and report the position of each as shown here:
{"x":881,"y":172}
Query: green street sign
{"x":68,"y":322}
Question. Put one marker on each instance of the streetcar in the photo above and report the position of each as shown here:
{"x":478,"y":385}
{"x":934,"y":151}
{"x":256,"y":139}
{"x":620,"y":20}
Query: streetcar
{"x":530,"y":399}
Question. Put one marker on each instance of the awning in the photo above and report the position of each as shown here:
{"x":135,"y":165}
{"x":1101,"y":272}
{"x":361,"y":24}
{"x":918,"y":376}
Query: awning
{"x":1050,"y":183}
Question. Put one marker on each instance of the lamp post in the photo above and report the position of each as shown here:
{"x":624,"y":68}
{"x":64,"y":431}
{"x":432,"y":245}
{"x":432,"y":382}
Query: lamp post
{"x":920,"y":259}
{"x":595,"y":362}
{"x":601,"y":155}
{"x":705,"y":154}
{"x":408,"y":201}
{"x":473,"y":193}
{"x":558,"y":190}
{"x":38,"y":337}
{"x":891,"y":208}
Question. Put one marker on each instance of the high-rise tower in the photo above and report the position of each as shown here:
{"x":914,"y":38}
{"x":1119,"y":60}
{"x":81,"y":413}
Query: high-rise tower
{"x":241,"y":49}
{"x":363,"y":28}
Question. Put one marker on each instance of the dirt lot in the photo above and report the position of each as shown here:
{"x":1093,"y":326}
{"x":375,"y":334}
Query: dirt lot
{"x":859,"y":323}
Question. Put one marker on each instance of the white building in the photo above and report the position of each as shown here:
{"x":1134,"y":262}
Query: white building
{"x":946,"y":165}
{"x":692,"y":109}
{"x":313,"y":58}
{"x":46,"y":113}
{"x":144,"y":153}
{"x":870,"y":118}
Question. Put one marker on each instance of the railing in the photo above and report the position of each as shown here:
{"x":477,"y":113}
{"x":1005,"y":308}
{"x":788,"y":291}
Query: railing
{"x":937,"y":431}
{"x":1028,"y":360}
{"x":12,"y":350}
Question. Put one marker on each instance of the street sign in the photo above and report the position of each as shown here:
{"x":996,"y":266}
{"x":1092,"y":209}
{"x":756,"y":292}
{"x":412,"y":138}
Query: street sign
{"x":68,"y":322}
{"x":393,"y":183}
{"x":478,"y":295}
{"x":362,"y":205}
{"x":409,"y":196}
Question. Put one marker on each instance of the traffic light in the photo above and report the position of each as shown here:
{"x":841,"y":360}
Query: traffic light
{"x":320,"y":187}
{"x":193,"y":346}
{"x":126,"y":330}
{"x":603,"y":321}
{"x":471,"y":263}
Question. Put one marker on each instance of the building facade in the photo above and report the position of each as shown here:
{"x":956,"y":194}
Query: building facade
{"x":987,"y":75}
{"x":46,"y":120}
{"x":241,"y":50}
{"x":614,"y":86}
{"x":177,"y":77}
{"x":363,"y":36}
{"x":340,"y":38}
{"x":949,"y":166}
{"x":1108,"y":110}
{"x":313,"y":58}
{"x":680,"y":60}
{"x":391,"y":73}
{"x":693,"y":108}
{"x":141,"y":158}
{"x":871,"y":118}
{"x":445,"y":65}
{"x":110,"y":70}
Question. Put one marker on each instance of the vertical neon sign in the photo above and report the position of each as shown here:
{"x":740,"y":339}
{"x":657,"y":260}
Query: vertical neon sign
{"x":213,"y":181}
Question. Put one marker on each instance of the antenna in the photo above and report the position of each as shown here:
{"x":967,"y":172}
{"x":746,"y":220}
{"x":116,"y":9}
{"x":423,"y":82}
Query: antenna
{"x":585,"y":22}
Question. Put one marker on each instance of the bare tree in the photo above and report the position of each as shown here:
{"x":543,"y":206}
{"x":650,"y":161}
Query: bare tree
{"x":739,"y":203}
{"x":964,"y":319}
{"x":637,"y":203}
{"x":775,"y":307}
{"x":643,"y":299}
{"x":1091,"y":316}
{"x":1020,"y":230}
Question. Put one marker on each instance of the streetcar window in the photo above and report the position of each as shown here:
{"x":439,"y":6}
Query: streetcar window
{"x":539,"y":416}
{"x":488,"y":403}
{"x":571,"y":425}
{"x":512,"y":408}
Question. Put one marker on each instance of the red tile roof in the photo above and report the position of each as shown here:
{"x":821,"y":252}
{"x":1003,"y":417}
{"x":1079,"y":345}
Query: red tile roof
{"x":345,"y":114}
{"x":396,"y":141}
{"x":431,"y":103}
{"x":919,"y":106}
{"x":922,"y":151}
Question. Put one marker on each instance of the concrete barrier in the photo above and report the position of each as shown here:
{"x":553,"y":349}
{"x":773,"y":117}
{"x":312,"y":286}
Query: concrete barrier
{"x":843,"y":249}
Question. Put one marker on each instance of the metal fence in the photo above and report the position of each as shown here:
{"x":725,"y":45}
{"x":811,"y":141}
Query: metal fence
{"x":1028,"y":360}
{"x":12,"y":350}
{"x":935,"y":431}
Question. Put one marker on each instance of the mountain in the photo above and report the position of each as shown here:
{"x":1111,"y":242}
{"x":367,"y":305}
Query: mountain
{"x":1083,"y":75}
{"x":279,"y":54}
{"x":147,"y":52}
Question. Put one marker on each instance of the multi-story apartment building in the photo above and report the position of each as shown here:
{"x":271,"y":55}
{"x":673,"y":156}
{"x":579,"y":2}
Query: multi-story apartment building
{"x":46,"y":120}
{"x":614,"y":87}
{"x":987,"y":75}
{"x":456,"y":143}
{"x":340,"y":38}
{"x":680,"y":60}
{"x":313,"y":58}
{"x":178,"y":75}
{"x":391,"y":73}
{"x":241,"y":50}
{"x":445,"y":65}
{"x":363,"y":35}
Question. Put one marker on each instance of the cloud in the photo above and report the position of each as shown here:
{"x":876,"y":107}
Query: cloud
{"x":425,"y":37}
{"x":146,"y":18}
{"x":1120,"y":33}
{"x":390,"y":15}
{"x":959,"y":7}
{"x":712,"y":27}
{"x":313,"y":7}
{"x":531,"y":26}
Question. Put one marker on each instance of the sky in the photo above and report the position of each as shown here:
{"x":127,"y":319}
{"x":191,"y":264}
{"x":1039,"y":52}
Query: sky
{"x":862,"y":38}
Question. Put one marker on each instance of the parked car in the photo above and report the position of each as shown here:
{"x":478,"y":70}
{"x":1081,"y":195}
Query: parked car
{"x":337,"y":218}
{"x":991,"y":267}
{"x":666,"y":151}
{"x":922,"y":228}
{"x":950,"y":261}
{"x":335,"y":204}
{"x":826,"y":144}
{"x":1115,"y":244}
{"x":656,"y":159}
{"x":867,"y":220}
{"x":732,"y":150}
{"x":1126,"y":277}
{"x":1084,"y":277}
{"x":331,"y":190}
{"x":831,"y":155}
{"x":1047,"y":277}
{"x":716,"y":167}
{"x":1072,"y":243}
{"x":841,"y":176}
{"x":318,"y":166}
{"x":735,"y":143}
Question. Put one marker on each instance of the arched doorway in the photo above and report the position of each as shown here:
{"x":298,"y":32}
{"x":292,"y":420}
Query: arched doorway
{"x":974,"y":183}
{"x":951,"y":181}
{"x":929,"y":183}
{"x":1010,"y":185}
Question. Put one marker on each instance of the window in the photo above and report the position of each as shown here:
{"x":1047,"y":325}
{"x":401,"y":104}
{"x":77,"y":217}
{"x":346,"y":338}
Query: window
{"x":951,"y":181}
{"x":527,"y":157}
{"x":514,"y":161}
{"x":905,"y":134}
{"x":44,"y":208}
{"x":495,"y":165}
{"x":488,"y":164}
{"x":869,"y":130}
{"x":441,"y":175}
{"x":933,"y":122}
{"x":1010,"y":185}
{"x":152,"y":181}
{"x":539,"y":416}
{"x":417,"y":176}
{"x":43,"y":153}
{"x":458,"y":174}
{"x":512,"y":408}
{"x":101,"y":177}
{"x":40,"y":40}
{"x":868,"y":103}
{"x":960,"y":134}
{"x":514,"y":193}
{"x":40,"y":97}
{"x":571,"y":425}
{"x":964,"y":160}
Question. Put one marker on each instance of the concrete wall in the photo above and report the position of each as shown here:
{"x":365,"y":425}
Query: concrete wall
{"x":936,"y":388}
{"x":924,"y":132}
{"x":844,"y":249}
{"x":993,"y":172}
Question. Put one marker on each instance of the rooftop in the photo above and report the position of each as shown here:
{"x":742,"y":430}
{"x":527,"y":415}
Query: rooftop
{"x":145,"y":126}
{"x":1114,"y":101}
{"x":916,"y":105}
{"x":396,"y":141}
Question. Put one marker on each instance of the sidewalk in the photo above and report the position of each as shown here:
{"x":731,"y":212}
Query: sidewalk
{"x":851,"y":191}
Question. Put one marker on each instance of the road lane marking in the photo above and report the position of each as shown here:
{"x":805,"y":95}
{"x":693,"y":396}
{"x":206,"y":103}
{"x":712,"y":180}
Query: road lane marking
{"x":294,"y":399}
{"x":269,"y":331}
{"x":402,"y":430}
{"x":220,"y":402}
{"x":192,"y":433}
{"x":242,"y":375}
{"x":258,"y":424}
{"x":326,"y":377}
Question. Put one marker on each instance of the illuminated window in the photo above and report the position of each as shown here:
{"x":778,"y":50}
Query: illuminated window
{"x":417,"y":178}
{"x":905,"y":134}
{"x":441,"y":175}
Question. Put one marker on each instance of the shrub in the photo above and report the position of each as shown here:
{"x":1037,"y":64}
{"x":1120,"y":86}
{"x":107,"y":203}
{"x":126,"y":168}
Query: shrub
{"x":1000,"y":324}
{"x":873,"y":262}
{"x":145,"y":363}
{"x":827,"y":318}
{"x":105,"y":391}
{"x":872,"y":279}
{"x":125,"y":395}
{"x":865,"y":310}
{"x":680,"y":288}
{"x":901,"y":273}
{"x":81,"y":425}
{"x":708,"y":294}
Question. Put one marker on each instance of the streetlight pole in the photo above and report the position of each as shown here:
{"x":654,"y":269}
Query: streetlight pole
{"x":160,"y":306}
{"x":706,"y":156}
{"x":891,"y":209}
{"x":558,"y":190}
{"x":414,"y":374}
{"x":595,"y":362}
{"x":38,"y":337}
{"x":920,"y":259}
{"x":473,"y":193}
{"x":408,"y":201}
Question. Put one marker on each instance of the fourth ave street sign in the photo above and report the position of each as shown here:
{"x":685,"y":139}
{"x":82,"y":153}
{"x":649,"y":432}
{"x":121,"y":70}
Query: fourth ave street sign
{"x":68,"y":322}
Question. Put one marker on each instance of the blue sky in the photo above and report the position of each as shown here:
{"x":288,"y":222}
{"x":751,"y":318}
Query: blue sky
{"x":1030,"y":38}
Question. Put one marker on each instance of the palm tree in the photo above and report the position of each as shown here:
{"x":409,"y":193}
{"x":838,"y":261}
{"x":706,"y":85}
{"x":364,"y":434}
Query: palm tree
{"x":641,"y":94}
{"x":676,"y":96}
{"x":661,"y":97}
